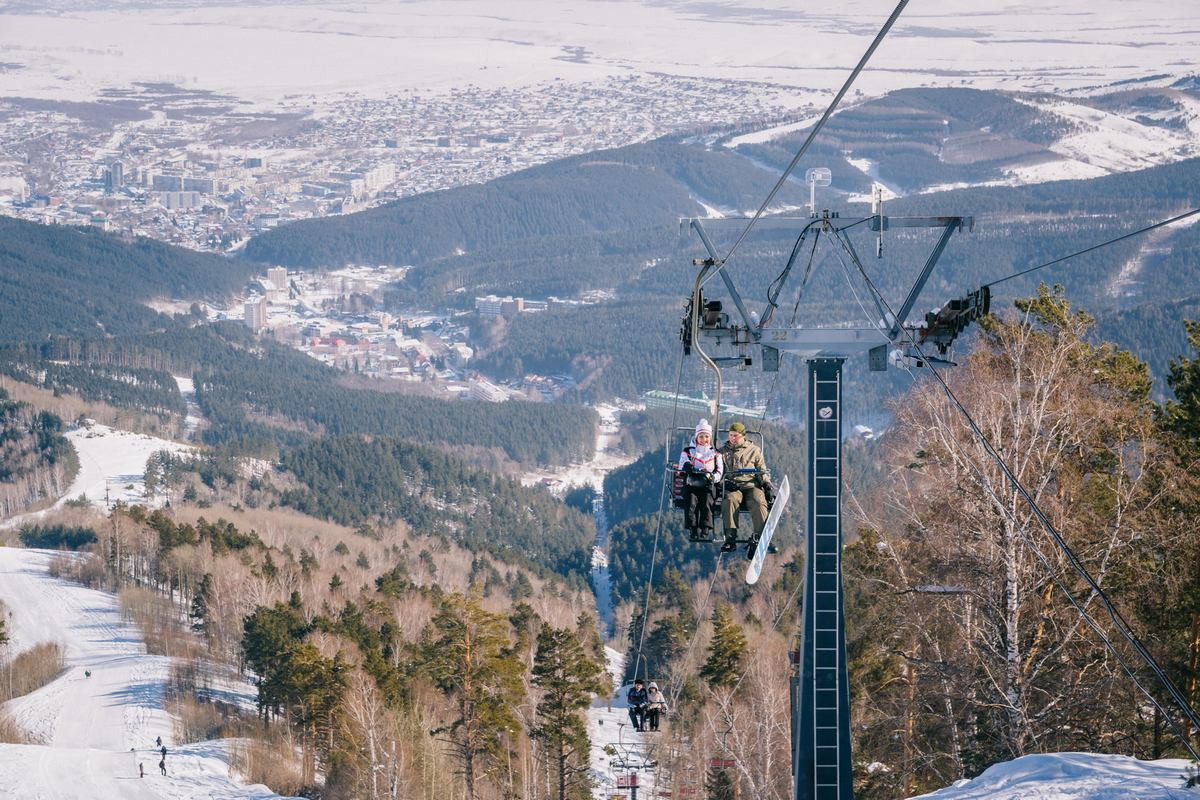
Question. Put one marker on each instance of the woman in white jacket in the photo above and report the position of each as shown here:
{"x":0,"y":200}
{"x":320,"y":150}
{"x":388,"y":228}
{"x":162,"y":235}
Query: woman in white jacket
{"x":656,"y":704}
{"x":703,"y":469}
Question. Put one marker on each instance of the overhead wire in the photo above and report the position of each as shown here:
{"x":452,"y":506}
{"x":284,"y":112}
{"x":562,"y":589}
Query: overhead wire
{"x":714,"y":267}
{"x":1129,"y":670}
{"x":1087,"y":250}
{"x":862,"y":62}
{"x":659,"y":520}
{"x":1118,"y":620}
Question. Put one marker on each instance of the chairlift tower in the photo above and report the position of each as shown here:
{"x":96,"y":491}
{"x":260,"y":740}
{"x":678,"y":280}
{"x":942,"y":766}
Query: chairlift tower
{"x":821,"y":757}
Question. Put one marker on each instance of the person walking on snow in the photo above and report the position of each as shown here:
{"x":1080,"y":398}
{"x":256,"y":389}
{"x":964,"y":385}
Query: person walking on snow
{"x":703,"y":468}
{"x":162,"y":765}
{"x":141,"y":770}
{"x":637,"y":703}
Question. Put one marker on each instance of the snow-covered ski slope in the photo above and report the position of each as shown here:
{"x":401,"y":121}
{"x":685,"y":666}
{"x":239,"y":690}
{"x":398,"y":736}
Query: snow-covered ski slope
{"x":1075,"y":776}
{"x":609,"y":727}
{"x":112,"y":467}
{"x":93,"y":732}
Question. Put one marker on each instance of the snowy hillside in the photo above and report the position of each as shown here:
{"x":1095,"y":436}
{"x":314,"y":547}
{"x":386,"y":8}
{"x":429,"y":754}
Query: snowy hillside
{"x":94,"y":731}
{"x":112,"y":468}
{"x":1075,"y":776}
{"x":617,"y":749}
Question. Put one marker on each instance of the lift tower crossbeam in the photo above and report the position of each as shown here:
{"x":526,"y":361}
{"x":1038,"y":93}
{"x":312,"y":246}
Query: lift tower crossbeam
{"x":821,"y":757}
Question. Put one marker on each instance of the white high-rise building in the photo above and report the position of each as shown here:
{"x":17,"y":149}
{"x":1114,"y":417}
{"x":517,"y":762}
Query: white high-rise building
{"x":278,"y":278}
{"x":256,"y":313}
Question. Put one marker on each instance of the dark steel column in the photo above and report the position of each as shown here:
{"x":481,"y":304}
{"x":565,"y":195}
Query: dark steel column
{"x":821,"y":740}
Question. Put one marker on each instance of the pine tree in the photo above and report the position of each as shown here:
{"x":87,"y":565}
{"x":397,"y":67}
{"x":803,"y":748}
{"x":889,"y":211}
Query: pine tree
{"x":568,"y":678}
{"x":726,"y":651}
{"x":1182,"y":415}
{"x":467,"y":652}
{"x":200,"y":601}
{"x":718,"y":785}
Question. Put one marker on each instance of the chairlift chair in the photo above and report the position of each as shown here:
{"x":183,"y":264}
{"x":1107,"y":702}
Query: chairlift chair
{"x":678,"y":480}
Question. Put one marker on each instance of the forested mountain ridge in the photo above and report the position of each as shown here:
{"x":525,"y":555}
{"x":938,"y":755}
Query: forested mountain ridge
{"x":1014,"y":228}
{"x":261,"y":397}
{"x":356,"y":480}
{"x":641,"y":187}
{"x":82,"y":281}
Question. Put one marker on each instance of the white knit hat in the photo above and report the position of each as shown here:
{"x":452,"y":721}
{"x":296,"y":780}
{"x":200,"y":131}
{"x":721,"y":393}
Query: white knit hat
{"x":703,"y":426}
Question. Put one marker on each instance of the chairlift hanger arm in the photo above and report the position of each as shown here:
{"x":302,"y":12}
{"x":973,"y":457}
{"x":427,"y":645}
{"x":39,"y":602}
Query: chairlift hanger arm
{"x":836,"y":224}
{"x":952,"y":224}
{"x":715,"y":261}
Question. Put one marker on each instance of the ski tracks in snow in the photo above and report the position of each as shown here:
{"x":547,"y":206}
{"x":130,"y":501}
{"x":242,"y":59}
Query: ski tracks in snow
{"x":92,"y":732}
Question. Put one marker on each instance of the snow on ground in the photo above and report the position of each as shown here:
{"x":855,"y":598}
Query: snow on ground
{"x":768,"y":134}
{"x":1125,"y":284}
{"x":114,"y":462}
{"x":1064,"y":169}
{"x":1113,"y":143}
{"x":609,"y":727}
{"x":112,"y":466}
{"x":191,"y":422}
{"x":714,"y":212}
{"x":590,"y":473}
{"x":1074,"y":776}
{"x":274,"y":53}
{"x":94,"y":731}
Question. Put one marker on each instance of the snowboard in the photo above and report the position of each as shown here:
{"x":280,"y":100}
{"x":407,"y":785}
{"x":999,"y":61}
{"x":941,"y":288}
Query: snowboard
{"x":764,"y":541}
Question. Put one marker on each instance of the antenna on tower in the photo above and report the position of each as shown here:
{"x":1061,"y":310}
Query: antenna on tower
{"x":877,"y":212}
{"x":817,"y":176}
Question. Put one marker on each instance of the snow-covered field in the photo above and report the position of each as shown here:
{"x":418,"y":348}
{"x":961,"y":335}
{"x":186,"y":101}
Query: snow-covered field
{"x":112,"y":467}
{"x":1075,"y":776}
{"x":271,"y":52}
{"x":112,"y":463}
{"x":94,"y":731}
{"x":1111,"y":143}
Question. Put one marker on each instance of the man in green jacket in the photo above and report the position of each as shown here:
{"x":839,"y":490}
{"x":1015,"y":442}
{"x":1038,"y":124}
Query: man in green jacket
{"x":745,"y":477}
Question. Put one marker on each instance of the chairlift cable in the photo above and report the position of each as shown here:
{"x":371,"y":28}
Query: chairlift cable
{"x":850,"y":284}
{"x":1086,"y":250}
{"x":1114,"y":614}
{"x":862,"y":62}
{"x":700,"y":617}
{"x":662,"y":496}
{"x":777,"y":285}
{"x":1081,"y":607}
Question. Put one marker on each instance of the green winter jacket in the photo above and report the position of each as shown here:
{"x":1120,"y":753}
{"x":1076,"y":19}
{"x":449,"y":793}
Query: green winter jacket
{"x":745,"y":456}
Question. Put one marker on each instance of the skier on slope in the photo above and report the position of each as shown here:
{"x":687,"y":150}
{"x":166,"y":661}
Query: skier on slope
{"x":703,"y":467}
